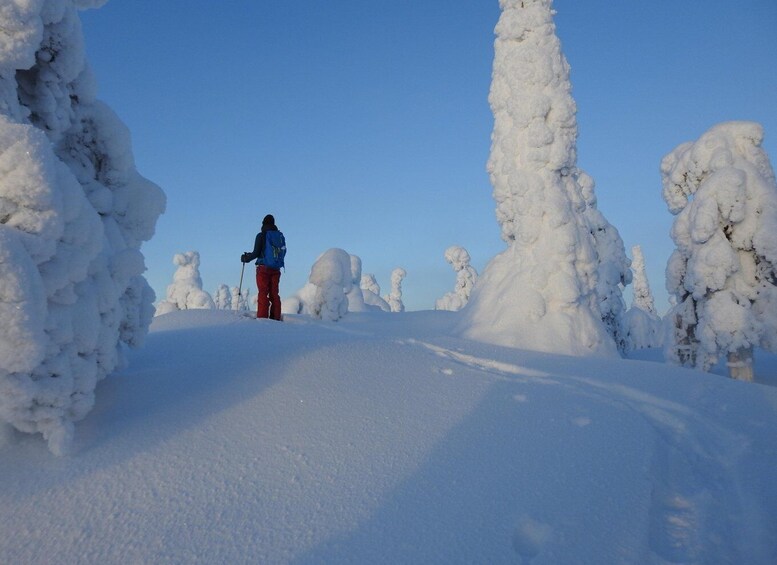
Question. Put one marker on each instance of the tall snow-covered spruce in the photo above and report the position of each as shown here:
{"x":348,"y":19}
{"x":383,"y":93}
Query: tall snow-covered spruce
{"x":643,"y":296}
{"x":541,"y":292}
{"x":641,"y":324}
{"x":723,"y":273}
{"x":73,"y":215}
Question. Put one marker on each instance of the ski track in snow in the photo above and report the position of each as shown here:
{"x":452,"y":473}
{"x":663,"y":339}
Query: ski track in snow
{"x":691,"y":469}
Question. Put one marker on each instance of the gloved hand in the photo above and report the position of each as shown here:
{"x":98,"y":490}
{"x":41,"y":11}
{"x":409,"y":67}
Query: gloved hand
{"x":244,"y":258}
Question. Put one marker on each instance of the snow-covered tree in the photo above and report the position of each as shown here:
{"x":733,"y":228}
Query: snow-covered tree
{"x":371,"y":293}
{"x":74,"y":212}
{"x":300,"y":301}
{"x":723,"y":273}
{"x":613,"y":272}
{"x":541,"y":292}
{"x":330,"y":281}
{"x":466,"y":275}
{"x":643,"y":296}
{"x":185,"y":292}
{"x":355,"y":296}
{"x":394,"y":298}
{"x":239,"y":303}
{"x":641,"y":330}
{"x":325,"y":295}
{"x":642,"y":326}
{"x":223,"y":298}
{"x":329,"y":292}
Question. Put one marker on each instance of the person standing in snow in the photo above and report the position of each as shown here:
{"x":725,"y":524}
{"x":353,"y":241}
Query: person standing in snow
{"x":269,"y":252}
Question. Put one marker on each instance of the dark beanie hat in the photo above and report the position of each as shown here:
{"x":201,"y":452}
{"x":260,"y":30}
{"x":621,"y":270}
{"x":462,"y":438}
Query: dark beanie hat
{"x":268,"y":220}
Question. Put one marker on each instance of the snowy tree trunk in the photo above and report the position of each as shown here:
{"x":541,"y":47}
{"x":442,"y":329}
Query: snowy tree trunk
{"x":540,"y":293}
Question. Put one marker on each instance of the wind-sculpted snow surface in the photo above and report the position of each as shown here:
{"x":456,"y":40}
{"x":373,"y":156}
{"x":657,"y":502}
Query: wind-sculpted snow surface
{"x":73,"y":215}
{"x":723,"y":273}
{"x":381,"y":439}
{"x":541,"y":292}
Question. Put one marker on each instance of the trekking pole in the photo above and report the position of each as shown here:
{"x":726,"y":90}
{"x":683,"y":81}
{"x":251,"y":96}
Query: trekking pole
{"x":240,"y":288}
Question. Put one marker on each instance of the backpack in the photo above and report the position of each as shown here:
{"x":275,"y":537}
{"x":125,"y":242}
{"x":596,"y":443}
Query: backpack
{"x":274,"y":249}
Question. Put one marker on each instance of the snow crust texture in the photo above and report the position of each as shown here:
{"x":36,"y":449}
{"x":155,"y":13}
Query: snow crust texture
{"x":73,"y":215}
{"x":723,"y":274}
{"x":383,"y":440}
{"x":555,"y":287}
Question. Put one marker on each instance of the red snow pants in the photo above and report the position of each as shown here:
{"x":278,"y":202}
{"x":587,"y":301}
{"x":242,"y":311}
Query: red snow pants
{"x":268,"y":304}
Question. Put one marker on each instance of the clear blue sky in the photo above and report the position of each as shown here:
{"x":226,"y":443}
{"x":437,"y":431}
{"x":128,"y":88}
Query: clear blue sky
{"x":365,"y":125}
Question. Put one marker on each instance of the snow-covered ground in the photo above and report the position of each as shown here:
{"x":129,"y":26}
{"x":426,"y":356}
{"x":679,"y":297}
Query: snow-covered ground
{"x":381,"y":439}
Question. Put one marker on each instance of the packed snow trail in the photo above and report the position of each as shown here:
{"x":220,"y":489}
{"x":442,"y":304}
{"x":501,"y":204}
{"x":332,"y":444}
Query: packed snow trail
{"x":377,"y":439}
